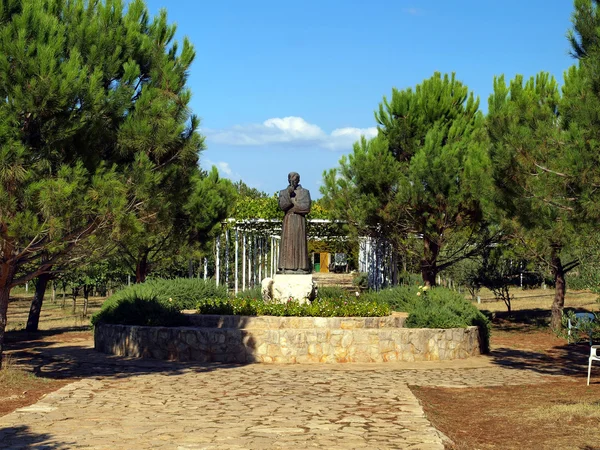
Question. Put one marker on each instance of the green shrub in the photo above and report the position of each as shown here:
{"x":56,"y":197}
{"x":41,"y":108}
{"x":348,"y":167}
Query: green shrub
{"x":399,"y":298}
{"x":410,"y":279}
{"x":157,"y":302}
{"x":184,"y":293}
{"x":320,"y":307}
{"x":139,"y":307}
{"x":361,"y":280}
{"x":250,"y":294}
{"x":444,"y":308}
{"x":433,"y":308}
{"x":325,"y":292}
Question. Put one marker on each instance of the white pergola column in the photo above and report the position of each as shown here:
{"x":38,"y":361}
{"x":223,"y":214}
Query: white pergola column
{"x":227,"y":259}
{"x":260,"y":258}
{"x":250,"y":261}
{"x":236,"y":263}
{"x":243,"y":261}
{"x":218,"y":249}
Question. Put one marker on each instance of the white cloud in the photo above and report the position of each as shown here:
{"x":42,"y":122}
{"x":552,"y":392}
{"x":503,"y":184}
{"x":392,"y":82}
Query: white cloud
{"x":345,"y":137}
{"x":292,"y":131}
{"x":223,"y":167}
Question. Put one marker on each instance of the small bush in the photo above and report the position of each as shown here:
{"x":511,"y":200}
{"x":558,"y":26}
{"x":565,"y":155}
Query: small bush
{"x":250,"y":294}
{"x":399,"y":298}
{"x":361,"y":280}
{"x":434,"y":308}
{"x":183,"y":292}
{"x":444,"y":308}
{"x":326,"y":292}
{"x":138,"y":307}
{"x":320,"y":307}
{"x":157,"y":302}
{"x":410,"y":279}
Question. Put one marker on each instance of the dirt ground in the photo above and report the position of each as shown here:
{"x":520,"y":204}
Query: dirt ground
{"x":554,"y":415}
{"x":59,"y":322}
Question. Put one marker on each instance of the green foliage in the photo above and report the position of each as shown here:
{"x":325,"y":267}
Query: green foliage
{"x":257,"y":208}
{"x":427,"y":171}
{"x":443,"y":308}
{"x":182,"y":293}
{"x":409,"y":279}
{"x":539,"y":170}
{"x":325,"y":292}
{"x":345,"y":306}
{"x":209,"y":203}
{"x":580,"y":327}
{"x":433,"y":308}
{"x":138,"y":306}
{"x":399,"y":298}
{"x":585,"y":277}
{"x":250,"y":294}
{"x":361,"y":280}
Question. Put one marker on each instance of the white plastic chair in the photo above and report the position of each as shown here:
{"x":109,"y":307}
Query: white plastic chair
{"x":583,"y":321}
{"x":594,"y":356}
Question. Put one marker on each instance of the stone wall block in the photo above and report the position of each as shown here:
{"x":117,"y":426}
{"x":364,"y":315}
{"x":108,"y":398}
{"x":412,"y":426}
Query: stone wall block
{"x":356,"y":342}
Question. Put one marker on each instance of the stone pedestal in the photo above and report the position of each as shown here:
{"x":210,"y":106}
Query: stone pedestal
{"x":282,"y":287}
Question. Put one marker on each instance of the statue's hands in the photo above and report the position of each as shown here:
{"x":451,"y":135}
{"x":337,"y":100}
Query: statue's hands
{"x":290,"y":189}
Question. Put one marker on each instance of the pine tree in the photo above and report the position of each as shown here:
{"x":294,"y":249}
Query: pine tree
{"x":93,"y":94}
{"x":425,"y":174}
{"x":531,"y":156}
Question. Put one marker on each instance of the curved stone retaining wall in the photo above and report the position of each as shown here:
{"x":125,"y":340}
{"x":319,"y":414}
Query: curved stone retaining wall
{"x":240,"y":339}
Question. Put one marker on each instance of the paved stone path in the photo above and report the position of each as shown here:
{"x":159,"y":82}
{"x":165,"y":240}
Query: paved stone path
{"x":132,"y":404}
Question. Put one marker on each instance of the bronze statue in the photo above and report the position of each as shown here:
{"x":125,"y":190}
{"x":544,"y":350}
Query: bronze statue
{"x":293,"y":250}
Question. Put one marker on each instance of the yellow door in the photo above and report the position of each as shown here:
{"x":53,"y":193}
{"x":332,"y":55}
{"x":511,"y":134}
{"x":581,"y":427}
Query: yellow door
{"x":325,"y":262}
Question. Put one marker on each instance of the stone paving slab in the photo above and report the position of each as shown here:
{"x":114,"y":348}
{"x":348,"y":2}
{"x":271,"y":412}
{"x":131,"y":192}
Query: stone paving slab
{"x":226,"y":408}
{"x":128,"y":403}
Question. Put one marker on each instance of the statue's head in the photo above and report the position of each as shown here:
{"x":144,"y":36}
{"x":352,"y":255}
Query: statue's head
{"x":294,"y":179}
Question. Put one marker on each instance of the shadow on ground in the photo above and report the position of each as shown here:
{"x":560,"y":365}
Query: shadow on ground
{"x":568,"y":360}
{"x":60,"y":354}
{"x":27,"y":439}
{"x":561,"y":360}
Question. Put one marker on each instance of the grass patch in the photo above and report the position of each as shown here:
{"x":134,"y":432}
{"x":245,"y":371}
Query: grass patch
{"x":12,"y":376}
{"x":577,"y":410}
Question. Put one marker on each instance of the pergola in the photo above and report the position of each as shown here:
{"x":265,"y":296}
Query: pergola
{"x":247,"y":250}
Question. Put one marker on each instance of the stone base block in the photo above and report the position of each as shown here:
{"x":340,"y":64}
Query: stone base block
{"x":282,"y":287}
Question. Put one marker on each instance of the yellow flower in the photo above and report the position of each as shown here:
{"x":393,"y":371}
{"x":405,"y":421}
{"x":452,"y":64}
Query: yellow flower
{"x":170,"y":299}
{"x":418,"y":293}
{"x":425,"y":288}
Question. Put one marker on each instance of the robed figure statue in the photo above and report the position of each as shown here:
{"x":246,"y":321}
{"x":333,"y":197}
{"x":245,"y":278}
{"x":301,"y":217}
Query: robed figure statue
{"x":293,"y":250}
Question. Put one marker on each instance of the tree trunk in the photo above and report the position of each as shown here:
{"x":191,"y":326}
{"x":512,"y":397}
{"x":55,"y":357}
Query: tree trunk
{"x":7,"y":273}
{"x":86,"y":294}
{"x":560,"y":286}
{"x":36,"y":304}
{"x":74,"y":294}
{"x":141,"y":269}
{"x":429,"y":261}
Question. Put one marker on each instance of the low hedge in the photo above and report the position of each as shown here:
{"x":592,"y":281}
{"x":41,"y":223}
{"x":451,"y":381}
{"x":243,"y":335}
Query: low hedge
{"x":157,"y":302}
{"x":435,"y":308}
{"x":137,"y":307}
{"x":345,"y":306}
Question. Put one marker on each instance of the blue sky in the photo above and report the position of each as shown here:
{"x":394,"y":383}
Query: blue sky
{"x":289,"y":86}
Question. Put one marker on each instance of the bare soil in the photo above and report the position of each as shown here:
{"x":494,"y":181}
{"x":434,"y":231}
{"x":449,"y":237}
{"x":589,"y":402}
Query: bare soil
{"x":554,"y":415}
{"x":59,"y":322}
